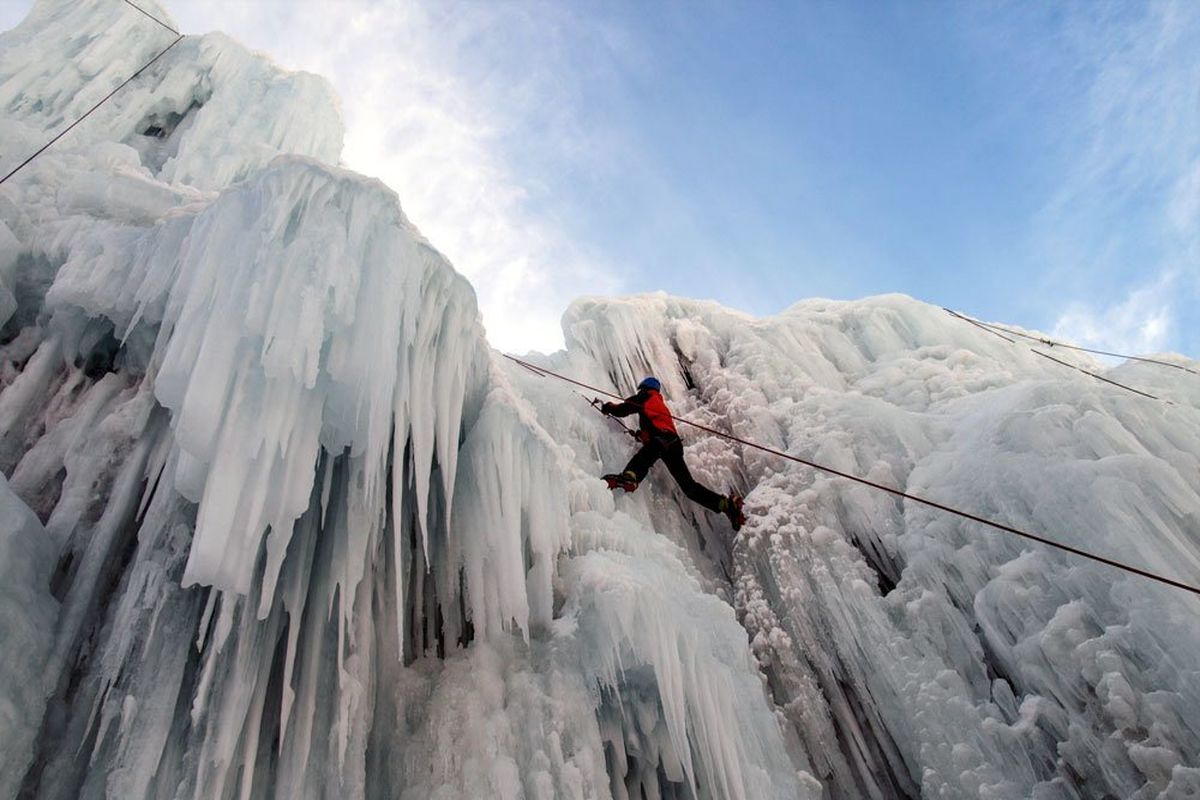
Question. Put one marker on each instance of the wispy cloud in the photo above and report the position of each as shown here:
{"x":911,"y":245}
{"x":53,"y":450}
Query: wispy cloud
{"x":434,"y":97}
{"x":1141,"y":323}
{"x":1128,"y":210}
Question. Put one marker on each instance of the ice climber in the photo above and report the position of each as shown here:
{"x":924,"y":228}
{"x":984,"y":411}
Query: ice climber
{"x":660,"y":441}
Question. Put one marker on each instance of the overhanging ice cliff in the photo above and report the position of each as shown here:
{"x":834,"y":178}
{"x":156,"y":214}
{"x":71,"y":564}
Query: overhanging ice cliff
{"x":277,"y":523}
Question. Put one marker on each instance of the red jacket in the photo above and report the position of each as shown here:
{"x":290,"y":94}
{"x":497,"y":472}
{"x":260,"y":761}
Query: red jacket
{"x":652,"y":411}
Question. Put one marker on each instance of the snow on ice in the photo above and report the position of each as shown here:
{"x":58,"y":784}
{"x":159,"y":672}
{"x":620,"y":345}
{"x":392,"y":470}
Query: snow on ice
{"x":276,"y":522}
{"x":28,"y":613}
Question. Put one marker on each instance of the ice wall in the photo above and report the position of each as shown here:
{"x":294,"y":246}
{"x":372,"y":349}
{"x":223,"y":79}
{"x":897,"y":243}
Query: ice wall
{"x":277,"y":523}
{"x":208,"y":113}
{"x":284,"y":525}
{"x":28,"y":614}
{"x":916,"y":654}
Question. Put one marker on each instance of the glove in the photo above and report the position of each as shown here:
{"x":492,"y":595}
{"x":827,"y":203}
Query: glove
{"x":608,"y":408}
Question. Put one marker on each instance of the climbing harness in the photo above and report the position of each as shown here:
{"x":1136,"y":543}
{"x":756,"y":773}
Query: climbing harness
{"x":107,"y":97}
{"x":543,"y":372}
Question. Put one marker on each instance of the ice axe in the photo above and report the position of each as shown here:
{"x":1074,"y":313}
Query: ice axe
{"x":596,"y":403}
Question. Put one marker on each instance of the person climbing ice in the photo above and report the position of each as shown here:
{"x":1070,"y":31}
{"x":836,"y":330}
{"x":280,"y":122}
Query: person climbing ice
{"x":661,"y":441}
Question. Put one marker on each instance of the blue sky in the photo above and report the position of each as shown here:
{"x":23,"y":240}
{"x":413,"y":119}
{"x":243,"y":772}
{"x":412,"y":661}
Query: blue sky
{"x":1031,"y":163}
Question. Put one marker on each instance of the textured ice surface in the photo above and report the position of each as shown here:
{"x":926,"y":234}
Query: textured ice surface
{"x":916,"y":653}
{"x":28,"y":614}
{"x":307,"y":538}
{"x":277,"y":523}
{"x":206,"y":114}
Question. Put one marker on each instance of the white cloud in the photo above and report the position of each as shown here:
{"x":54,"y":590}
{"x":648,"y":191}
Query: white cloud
{"x":1128,"y":210}
{"x":1141,"y":323}
{"x":430,"y":108}
{"x":1141,"y":108}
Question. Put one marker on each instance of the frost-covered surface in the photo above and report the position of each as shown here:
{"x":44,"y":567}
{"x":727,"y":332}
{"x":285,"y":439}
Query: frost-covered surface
{"x":28,"y":614}
{"x":277,"y":523}
{"x":208,"y":113}
{"x":914,"y":652}
{"x":300,"y":534}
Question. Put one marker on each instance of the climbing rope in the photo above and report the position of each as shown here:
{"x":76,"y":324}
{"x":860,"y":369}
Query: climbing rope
{"x":1068,"y":346}
{"x":141,"y":10}
{"x":543,"y":372}
{"x":998,"y":330}
{"x":107,"y":97}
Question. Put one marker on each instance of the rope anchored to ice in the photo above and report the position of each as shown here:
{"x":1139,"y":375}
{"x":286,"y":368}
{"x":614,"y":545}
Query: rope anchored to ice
{"x":542,"y":372}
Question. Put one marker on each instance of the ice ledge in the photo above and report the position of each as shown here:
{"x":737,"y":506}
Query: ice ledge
{"x":208,"y":114}
{"x":299,"y":311}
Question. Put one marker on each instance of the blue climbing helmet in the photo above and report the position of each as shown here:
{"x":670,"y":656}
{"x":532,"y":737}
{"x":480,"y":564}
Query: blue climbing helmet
{"x":650,"y":383}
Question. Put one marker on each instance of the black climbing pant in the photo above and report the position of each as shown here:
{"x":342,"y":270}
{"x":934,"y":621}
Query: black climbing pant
{"x":671,"y":453}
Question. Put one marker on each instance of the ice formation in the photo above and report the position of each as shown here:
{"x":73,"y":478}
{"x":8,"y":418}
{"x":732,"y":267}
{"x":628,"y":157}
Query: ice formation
{"x":916,"y":654}
{"x":276,"y":522}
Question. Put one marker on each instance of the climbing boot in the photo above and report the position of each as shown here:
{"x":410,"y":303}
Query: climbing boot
{"x":626,"y":480}
{"x":731,"y":507}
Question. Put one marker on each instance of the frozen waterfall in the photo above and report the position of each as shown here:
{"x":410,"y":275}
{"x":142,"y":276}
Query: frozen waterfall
{"x":276,"y":522}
